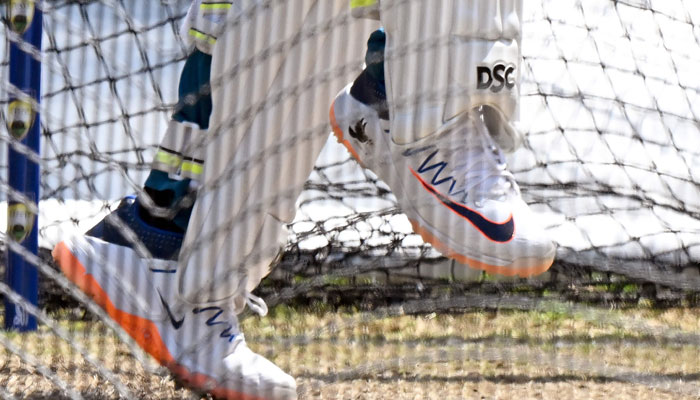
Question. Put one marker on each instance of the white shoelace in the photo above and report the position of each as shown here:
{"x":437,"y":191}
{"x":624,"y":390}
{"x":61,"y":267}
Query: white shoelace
{"x":256,"y":304}
{"x":243,"y":297}
{"x":483,"y":171}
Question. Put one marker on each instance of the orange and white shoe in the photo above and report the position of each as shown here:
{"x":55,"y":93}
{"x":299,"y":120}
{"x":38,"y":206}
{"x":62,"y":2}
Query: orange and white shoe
{"x":201,"y":344}
{"x":453,"y":184}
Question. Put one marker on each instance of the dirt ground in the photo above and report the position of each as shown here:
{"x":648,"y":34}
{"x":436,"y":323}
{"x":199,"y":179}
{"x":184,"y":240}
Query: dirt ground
{"x":354,"y":356}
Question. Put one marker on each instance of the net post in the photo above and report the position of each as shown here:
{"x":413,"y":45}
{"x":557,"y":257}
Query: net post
{"x":23,"y":125}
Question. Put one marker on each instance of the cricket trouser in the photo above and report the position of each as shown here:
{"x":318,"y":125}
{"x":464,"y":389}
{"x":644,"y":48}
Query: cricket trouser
{"x":275,"y":69}
{"x":446,"y":57}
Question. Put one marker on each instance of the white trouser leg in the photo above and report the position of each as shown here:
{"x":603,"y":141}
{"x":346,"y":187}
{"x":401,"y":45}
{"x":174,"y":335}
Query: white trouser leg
{"x":275,"y":70}
{"x":446,"y":57}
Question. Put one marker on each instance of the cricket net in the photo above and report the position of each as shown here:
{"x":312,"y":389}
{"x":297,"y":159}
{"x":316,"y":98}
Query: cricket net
{"x":611,"y":163}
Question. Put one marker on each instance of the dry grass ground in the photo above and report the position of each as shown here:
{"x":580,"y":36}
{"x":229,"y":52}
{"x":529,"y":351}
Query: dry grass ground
{"x":350,"y":355}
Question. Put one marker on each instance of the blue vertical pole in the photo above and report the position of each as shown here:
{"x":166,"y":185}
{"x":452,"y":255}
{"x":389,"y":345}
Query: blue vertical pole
{"x":23,"y":126}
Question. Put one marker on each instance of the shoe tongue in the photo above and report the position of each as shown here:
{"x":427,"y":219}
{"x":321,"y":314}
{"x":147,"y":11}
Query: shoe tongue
{"x":498,"y":183}
{"x":484,"y":160}
{"x":503,"y":132}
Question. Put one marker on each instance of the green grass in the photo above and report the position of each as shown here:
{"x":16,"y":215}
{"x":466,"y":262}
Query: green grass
{"x":340,"y":346}
{"x":348,"y":343}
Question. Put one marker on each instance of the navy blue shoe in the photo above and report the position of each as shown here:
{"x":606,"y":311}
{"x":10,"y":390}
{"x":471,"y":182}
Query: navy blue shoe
{"x":162,"y":242}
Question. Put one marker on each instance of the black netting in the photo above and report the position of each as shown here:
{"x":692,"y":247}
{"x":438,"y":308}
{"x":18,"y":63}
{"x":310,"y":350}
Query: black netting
{"x":611,"y":163}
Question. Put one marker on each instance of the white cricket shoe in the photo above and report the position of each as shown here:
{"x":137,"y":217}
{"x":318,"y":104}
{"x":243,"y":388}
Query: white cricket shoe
{"x":453,"y":185}
{"x":200,"y":344}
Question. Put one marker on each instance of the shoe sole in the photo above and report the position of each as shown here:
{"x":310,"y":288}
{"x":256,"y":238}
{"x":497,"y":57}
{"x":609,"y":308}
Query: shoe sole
{"x":142,"y":330}
{"x":525,"y":267}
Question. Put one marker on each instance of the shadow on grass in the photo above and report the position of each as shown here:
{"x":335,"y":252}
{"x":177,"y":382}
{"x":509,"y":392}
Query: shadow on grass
{"x":479,"y":378}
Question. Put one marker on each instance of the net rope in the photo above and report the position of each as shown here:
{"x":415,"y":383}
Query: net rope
{"x":611,"y":162}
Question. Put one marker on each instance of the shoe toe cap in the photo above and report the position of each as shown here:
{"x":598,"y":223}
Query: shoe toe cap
{"x":259,"y":376}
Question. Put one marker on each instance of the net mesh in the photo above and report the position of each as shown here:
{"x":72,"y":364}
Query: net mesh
{"x":611,"y":163}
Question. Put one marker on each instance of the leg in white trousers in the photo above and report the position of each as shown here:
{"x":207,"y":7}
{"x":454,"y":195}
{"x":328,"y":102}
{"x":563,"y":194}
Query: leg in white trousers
{"x":274,"y":72}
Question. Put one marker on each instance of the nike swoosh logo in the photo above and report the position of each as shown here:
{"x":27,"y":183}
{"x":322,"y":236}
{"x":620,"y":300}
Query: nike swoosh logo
{"x":501,"y":232}
{"x":176,"y":323}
